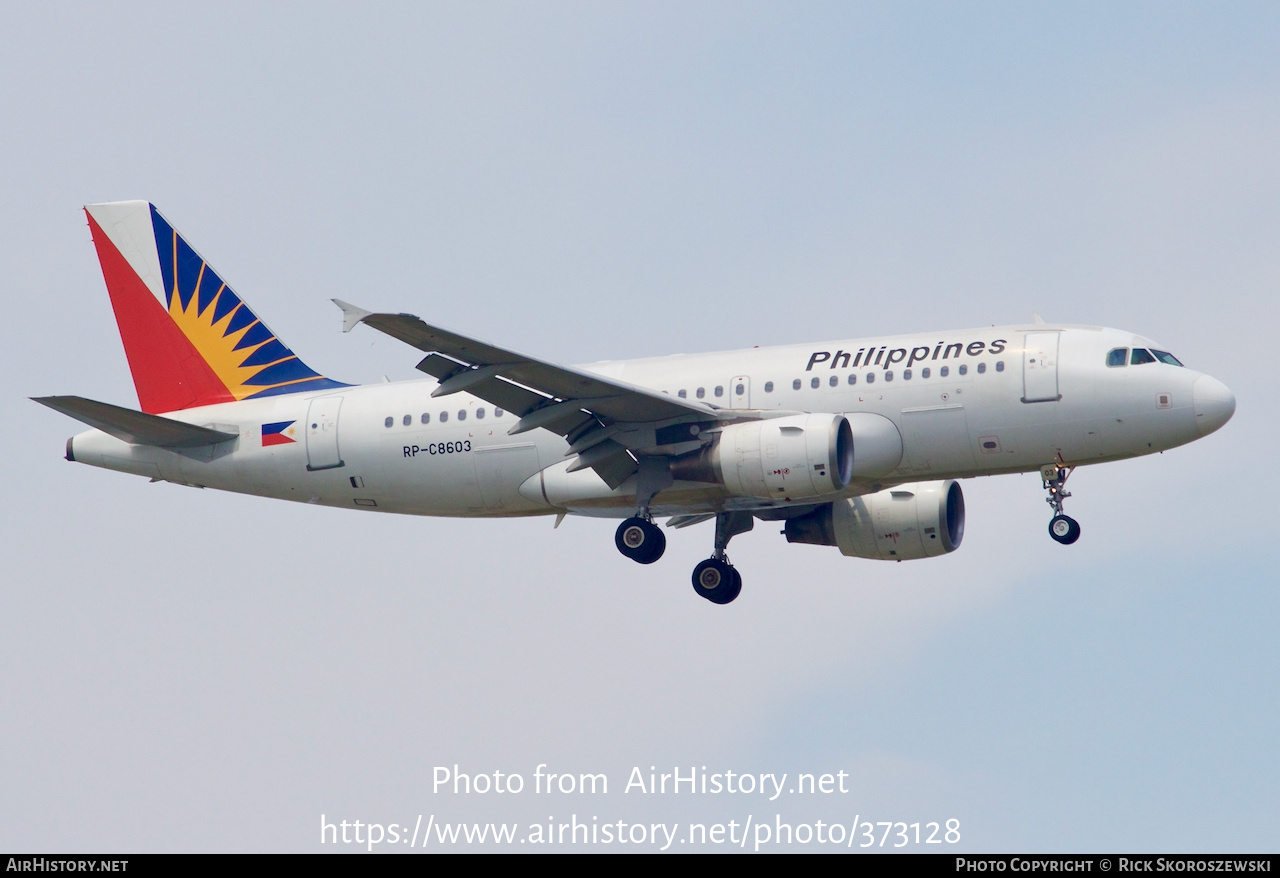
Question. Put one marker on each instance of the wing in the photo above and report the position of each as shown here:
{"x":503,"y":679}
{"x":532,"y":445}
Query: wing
{"x":609,"y":424}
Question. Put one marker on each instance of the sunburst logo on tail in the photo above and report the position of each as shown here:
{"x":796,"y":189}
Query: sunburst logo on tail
{"x":240,"y":349}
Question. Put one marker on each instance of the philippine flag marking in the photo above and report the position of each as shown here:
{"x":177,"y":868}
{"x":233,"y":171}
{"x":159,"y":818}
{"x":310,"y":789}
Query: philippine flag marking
{"x":280,"y":433}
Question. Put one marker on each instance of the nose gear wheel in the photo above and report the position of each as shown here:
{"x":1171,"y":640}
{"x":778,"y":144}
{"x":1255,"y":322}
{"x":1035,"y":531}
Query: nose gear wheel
{"x":1063,"y":528}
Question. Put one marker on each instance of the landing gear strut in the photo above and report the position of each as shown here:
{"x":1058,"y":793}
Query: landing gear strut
{"x":1063,"y":528}
{"x":638,"y":537}
{"x":715,"y":578}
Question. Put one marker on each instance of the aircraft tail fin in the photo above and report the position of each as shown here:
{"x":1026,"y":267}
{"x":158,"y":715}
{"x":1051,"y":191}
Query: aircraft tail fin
{"x":190,"y":340}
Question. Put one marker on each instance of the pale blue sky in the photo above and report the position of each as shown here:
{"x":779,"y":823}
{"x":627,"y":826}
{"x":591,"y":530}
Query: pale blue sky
{"x":187,"y":670}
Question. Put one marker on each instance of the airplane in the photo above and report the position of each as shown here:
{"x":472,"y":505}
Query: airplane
{"x":856,"y":444}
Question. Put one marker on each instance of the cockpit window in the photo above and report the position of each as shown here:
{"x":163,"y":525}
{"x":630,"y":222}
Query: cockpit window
{"x":1140,"y":356}
{"x":1166,"y":357}
{"x":1118,"y":357}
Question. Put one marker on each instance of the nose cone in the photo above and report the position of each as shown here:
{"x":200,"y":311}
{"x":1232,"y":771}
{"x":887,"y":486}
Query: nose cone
{"x":1214,"y":404}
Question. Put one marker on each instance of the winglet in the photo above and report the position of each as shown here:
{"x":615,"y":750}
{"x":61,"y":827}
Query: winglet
{"x":351,"y":315}
{"x":1038,"y":319}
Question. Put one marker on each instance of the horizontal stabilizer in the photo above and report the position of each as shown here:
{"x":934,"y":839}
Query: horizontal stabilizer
{"x":136,"y":428}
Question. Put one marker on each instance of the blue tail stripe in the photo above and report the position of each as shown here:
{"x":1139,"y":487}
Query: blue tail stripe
{"x":300,"y":387}
{"x":267,"y":354}
{"x":164,"y":242}
{"x":289,"y":370}
{"x":256,"y":335}
{"x":240,"y":319}
{"x":189,"y":265}
{"x":210,"y":283}
{"x":226,"y":302}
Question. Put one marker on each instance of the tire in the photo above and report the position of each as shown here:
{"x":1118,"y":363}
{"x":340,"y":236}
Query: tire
{"x":641,"y":541}
{"x":717,"y":581}
{"x":1064,"y":529}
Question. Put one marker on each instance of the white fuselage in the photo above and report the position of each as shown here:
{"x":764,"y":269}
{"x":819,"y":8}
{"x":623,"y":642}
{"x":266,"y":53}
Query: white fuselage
{"x":966,"y":403}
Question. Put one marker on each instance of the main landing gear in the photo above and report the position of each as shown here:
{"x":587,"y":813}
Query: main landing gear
{"x":1062,"y":528}
{"x":640,"y":540}
{"x":638,"y":537}
{"x":715,"y":578}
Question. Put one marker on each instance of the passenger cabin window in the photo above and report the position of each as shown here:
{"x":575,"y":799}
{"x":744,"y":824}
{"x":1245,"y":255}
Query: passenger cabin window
{"x":462,"y":414}
{"x":982,"y":367}
{"x":497,"y":413}
{"x":426,"y":418}
{"x":999,"y":365}
{"x":702,"y":391}
{"x":1118,"y":357}
{"x":479,"y":413}
{"x":871,"y":377}
{"x":683,"y":394}
{"x":768,"y":387}
{"x":719,"y":390}
{"x":888,"y":375}
{"x":795,"y":385}
{"x":944,"y":371}
{"x":833,"y":380}
{"x":1140,"y":356}
{"x":408,"y":419}
{"x":444,"y":416}
{"x":389,"y":421}
{"x":906,"y":374}
{"x":924,"y":373}
{"x":963,"y":370}
{"x":814,"y":382}
{"x":853,"y":379}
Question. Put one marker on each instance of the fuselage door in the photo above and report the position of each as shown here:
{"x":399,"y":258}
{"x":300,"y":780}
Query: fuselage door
{"x":740,"y":392}
{"x":322,"y":433}
{"x":1040,"y":367}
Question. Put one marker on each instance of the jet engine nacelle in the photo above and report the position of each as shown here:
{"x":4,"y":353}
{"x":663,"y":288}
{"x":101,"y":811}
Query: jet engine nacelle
{"x":789,"y":458}
{"x":919,"y":520}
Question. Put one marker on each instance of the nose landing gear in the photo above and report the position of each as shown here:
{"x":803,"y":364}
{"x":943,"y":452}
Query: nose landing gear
{"x":1063,"y":528}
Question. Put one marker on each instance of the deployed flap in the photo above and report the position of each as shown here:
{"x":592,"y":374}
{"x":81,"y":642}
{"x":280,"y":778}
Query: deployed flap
{"x":679,"y":521}
{"x":601,"y":396}
{"x":136,"y":428}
